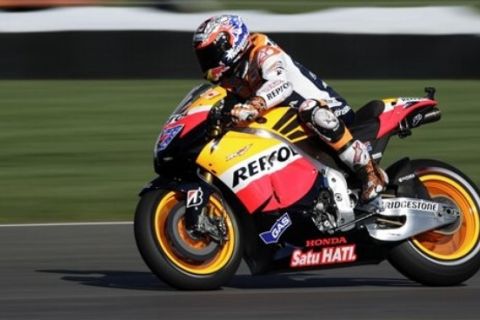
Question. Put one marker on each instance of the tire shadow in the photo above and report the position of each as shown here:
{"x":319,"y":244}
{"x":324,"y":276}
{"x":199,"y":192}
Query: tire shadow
{"x":112,"y":279}
{"x":148,"y":281}
{"x":309,"y":280}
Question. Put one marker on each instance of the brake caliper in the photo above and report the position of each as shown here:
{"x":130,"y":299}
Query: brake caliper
{"x":198,"y":220}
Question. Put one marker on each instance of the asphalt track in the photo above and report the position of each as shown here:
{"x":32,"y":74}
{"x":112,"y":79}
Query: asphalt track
{"x":95,"y":272}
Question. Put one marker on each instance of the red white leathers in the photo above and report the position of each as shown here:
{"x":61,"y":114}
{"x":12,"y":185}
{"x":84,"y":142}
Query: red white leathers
{"x":277,"y":74}
{"x":265,"y":76}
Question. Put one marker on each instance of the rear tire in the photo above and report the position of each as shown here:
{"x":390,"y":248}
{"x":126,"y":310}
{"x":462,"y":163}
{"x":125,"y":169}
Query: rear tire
{"x":451,"y":255}
{"x":176,"y":257}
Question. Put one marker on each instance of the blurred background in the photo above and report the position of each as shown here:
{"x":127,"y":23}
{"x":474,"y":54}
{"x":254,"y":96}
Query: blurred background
{"x":85,"y":85}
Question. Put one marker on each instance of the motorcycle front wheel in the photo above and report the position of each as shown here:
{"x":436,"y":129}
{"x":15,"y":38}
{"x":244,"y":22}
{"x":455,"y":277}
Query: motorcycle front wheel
{"x":174,"y":254}
{"x":450,"y":255}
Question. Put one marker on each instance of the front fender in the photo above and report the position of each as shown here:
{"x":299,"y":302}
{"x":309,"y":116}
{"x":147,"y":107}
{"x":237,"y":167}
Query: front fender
{"x":169,"y":184}
{"x":155,"y":184}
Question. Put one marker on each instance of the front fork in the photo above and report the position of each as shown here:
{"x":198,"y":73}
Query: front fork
{"x":196,"y":199}
{"x":198,"y":220}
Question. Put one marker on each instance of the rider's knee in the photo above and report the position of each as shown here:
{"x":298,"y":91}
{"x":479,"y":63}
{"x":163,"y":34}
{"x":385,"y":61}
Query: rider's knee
{"x":318,"y":116}
{"x":308,"y":108}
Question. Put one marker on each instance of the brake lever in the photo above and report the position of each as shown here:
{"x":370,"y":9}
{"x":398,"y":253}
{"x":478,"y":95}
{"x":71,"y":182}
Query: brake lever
{"x":219,"y":119}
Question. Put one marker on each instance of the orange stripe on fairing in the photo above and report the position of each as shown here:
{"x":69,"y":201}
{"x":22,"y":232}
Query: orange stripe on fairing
{"x":346,"y":138}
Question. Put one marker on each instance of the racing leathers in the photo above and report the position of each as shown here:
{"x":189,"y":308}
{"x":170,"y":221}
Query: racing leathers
{"x":267,"y":77}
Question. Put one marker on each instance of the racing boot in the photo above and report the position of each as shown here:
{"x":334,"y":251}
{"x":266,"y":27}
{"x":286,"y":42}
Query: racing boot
{"x":373,"y":178}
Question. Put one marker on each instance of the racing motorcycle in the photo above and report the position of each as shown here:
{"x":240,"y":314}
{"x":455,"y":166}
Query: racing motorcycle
{"x":271,"y":193}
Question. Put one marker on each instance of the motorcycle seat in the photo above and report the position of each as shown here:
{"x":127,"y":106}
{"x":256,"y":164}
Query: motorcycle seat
{"x":369,"y":111}
{"x":366,"y":124}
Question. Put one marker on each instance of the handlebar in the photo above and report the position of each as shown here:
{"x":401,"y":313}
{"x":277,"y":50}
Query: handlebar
{"x":219,"y":119}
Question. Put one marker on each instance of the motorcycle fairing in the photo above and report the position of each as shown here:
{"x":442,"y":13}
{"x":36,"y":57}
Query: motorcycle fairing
{"x":296,"y":244}
{"x":282,"y":121}
{"x":397,"y":109}
{"x":194,"y":112}
{"x":168,"y":134}
{"x":259,"y":170}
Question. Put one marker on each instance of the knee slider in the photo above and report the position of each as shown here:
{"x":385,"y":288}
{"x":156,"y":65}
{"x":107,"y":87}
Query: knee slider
{"x":307,"y":109}
{"x":325,"y":119}
{"x":320,"y":118}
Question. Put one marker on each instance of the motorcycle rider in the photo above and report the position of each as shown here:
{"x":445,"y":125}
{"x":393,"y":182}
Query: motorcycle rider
{"x":257,"y":70}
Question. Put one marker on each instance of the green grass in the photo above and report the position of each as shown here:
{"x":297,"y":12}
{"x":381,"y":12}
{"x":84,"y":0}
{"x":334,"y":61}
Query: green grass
{"x":81,"y":150}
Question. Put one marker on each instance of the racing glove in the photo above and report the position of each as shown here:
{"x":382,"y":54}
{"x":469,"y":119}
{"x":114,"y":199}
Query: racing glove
{"x":249,"y":111}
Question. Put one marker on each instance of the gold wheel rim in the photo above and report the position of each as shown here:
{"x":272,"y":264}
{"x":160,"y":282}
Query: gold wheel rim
{"x":459,"y":243}
{"x":212,"y":265}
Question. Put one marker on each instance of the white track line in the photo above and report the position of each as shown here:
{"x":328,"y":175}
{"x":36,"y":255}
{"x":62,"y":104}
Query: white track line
{"x":66,"y":224}
{"x":359,"y":20}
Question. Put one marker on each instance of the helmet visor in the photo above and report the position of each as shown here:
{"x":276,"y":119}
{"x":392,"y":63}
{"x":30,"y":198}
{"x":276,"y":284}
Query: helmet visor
{"x":212,"y":56}
{"x":209,"y":57}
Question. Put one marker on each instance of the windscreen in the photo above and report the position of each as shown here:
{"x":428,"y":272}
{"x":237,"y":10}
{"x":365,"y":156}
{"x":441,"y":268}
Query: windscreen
{"x":191,"y":96}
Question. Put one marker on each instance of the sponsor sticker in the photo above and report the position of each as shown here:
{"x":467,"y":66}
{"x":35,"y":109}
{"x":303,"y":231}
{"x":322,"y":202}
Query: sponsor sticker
{"x":267,"y":162}
{"x":406,"y":178}
{"x":340,"y":111}
{"x":167,"y":135}
{"x":416,"y":120}
{"x":275,"y":91}
{"x":239,"y":152}
{"x":325,"y":242}
{"x":410,"y":99}
{"x":276,"y":231}
{"x":194,"y":197}
{"x":411,"y":204}
{"x":327,"y":255}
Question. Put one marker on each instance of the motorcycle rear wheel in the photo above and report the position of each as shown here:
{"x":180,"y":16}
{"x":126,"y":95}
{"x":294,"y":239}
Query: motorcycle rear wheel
{"x":176,"y":256}
{"x":450,"y":255}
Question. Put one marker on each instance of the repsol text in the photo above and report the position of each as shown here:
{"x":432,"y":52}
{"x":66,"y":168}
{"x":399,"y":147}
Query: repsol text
{"x":262,"y":164}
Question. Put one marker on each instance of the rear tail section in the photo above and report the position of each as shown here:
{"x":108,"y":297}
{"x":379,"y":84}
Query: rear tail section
{"x":377,"y":121}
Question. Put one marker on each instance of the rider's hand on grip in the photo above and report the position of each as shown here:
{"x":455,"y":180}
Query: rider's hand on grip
{"x":243,"y":112}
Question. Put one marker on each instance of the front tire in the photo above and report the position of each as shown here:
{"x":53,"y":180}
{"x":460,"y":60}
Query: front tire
{"x":173,"y":254}
{"x":450,"y":255}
